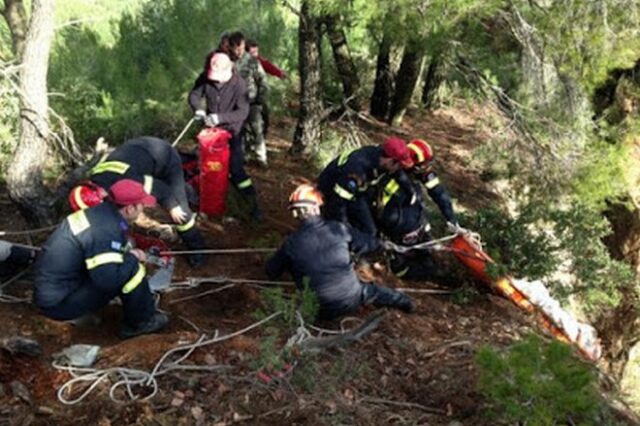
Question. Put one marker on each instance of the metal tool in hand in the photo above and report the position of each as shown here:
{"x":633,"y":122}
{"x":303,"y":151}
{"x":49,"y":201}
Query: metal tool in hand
{"x":175,"y":142}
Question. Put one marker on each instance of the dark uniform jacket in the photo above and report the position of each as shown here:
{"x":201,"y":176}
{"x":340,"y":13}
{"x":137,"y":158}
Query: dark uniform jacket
{"x":318,"y":254}
{"x":147,"y":160}
{"x":88,"y":248}
{"x":346,"y":182}
{"x":230,"y":100}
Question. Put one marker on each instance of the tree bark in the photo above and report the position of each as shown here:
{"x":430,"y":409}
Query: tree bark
{"x":405,"y":84}
{"x":15,"y":14}
{"x":344,"y":61}
{"x":432,"y":81}
{"x":308,"y":130}
{"x":383,"y":86}
{"x":25,"y":177}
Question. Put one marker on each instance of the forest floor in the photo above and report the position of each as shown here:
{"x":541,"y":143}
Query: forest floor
{"x":412,"y":369}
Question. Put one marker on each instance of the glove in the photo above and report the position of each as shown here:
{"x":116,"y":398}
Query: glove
{"x":178,"y":215}
{"x":388,"y":245}
{"x":200,"y":114}
{"x":5,"y":250}
{"x":211,"y":120}
{"x":456,"y":229}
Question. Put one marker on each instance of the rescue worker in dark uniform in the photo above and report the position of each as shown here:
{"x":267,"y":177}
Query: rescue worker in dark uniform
{"x":13,"y":257}
{"x":157,"y":166}
{"x":226,"y":105}
{"x":85,"y":263}
{"x":317,"y":254}
{"x":346,"y":181}
{"x":402,"y":215}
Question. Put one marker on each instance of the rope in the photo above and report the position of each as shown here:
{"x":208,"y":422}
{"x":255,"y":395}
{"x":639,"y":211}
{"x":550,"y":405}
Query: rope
{"x":28,"y":231}
{"x":130,"y":377}
{"x":218,"y":251}
{"x":175,"y":142}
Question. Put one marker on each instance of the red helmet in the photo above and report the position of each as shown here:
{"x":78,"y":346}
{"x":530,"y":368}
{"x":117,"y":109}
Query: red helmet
{"x":304,"y":196}
{"x":86,"y":195}
{"x":420,"y":151}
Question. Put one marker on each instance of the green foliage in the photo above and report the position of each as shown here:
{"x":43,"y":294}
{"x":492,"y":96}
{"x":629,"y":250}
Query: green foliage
{"x":275,"y":300}
{"x":536,"y":383}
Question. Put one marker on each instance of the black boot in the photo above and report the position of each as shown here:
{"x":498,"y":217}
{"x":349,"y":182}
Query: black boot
{"x":194,"y":241}
{"x":157,"y":322}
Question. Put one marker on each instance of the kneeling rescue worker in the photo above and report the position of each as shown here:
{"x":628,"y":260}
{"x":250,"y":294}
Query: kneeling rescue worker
{"x":346,"y":181}
{"x":85,"y":263}
{"x":157,"y":166}
{"x":317,"y":255}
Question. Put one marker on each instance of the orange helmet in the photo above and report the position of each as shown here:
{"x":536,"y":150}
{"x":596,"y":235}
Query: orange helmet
{"x":305,"y":196}
{"x":86,"y":195}
{"x":420,"y":150}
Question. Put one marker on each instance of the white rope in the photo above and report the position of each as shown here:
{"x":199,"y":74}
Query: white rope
{"x":28,"y":231}
{"x":129,"y":377}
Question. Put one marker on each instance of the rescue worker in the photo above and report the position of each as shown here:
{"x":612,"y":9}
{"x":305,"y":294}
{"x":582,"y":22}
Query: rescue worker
{"x":345,"y":181}
{"x":13,"y":256}
{"x":317,"y":255}
{"x":402,"y":214}
{"x":226,"y":105}
{"x":85,"y":263}
{"x":253,"y":74}
{"x":157,"y":165}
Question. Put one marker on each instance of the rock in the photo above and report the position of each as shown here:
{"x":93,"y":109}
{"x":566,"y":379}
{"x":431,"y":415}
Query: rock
{"x":21,"y":345}
{"x":177,"y":402}
{"x":197,"y":412}
{"x":43,"y":410}
{"x":78,"y":355}
{"x":19,"y":390}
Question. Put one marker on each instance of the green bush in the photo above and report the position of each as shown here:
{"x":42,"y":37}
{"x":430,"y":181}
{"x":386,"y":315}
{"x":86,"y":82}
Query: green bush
{"x":536,"y":383}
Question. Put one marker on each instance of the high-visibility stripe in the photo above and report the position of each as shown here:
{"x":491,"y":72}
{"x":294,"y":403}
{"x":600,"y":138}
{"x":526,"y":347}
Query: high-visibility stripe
{"x":135,"y":280}
{"x":148,"y":184}
{"x":342,"y":192}
{"x":110,"y":166}
{"x":342,"y":159}
{"x":389,"y":189}
{"x":432,"y":183}
{"x":184,"y":227}
{"x":77,"y":197}
{"x":78,"y":222}
{"x":418,"y":152}
{"x":245,"y":184}
{"x":103,"y":259}
{"x":402,"y":273}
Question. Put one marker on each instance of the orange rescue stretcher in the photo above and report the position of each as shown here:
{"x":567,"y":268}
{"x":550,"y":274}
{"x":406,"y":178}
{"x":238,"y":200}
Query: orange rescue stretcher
{"x":469,"y":253}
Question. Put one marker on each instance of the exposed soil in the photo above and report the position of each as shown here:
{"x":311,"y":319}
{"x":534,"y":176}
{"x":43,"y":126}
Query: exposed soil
{"x":413,"y":369}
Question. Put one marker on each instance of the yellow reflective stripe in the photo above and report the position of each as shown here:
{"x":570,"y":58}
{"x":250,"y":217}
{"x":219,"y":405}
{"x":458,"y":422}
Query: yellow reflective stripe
{"x":135,"y":280}
{"x":78,"y":198}
{"x":342,"y":192}
{"x":103,"y":259}
{"x":148,"y":184}
{"x":111,"y":166}
{"x":342,"y":159}
{"x":245,"y":184}
{"x":402,"y":273}
{"x":78,"y":222}
{"x":187,"y":225}
{"x":432,"y":183}
{"x":418,"y":152}
{"x":389,"y":189}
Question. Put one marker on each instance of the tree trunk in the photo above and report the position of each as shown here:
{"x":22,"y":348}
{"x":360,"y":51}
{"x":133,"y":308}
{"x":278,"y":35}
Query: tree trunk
{"x":308,"y":130}
{"x":406,"y":80}
{"x":344,"y":61}
{"x":383,"y":86}
{"x":432,"y":80}
{"x":25,"y":177}
{"x":15,"y":14}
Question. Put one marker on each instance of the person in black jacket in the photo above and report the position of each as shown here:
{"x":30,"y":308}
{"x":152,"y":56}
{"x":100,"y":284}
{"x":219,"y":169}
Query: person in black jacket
{"x":226,"y":105}
{"x":85,"y":263}
{"x":347,"y":181}
{"x":317,"y":254}
{"x":154,"y":163}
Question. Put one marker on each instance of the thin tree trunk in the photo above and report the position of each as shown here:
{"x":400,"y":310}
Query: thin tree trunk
{"x":308,"y":130}
{"x":383,"y":86}
{"x":406,"y":80}
{"x":432,"y":81}
{"x":15,"y":14}
{"x":344,"y":61}
{"x":25,"y":177}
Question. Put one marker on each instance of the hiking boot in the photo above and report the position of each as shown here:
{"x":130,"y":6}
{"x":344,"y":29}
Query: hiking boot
{"x":196,"y":260}
{"x":90,"y":320}
{"x":405,"y":304}
{"x":256,"y":214}
{"x":157,"y":322}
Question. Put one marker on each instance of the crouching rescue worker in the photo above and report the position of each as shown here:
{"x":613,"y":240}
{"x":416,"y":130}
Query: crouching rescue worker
{"x":13,"y":257}
{"x":402,"y":215}
{"x":346,"y":181}
{"x":85,"y":263}
{"x":157,"y":166}
{"x":317,"y":255}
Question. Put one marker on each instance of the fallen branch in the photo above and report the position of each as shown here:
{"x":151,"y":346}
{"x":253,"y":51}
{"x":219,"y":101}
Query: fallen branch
{"x":423,"y":290}
{"x":447,"y":346}
{"x":403,"y":404}
{"x":204,"y":293}
{"x":312,"y":344}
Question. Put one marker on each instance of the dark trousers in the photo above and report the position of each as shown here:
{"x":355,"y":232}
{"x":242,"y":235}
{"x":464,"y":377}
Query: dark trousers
{"x":356,"y":212}
{"x":138,"y":305}
{"x":239,"y":176}
{"x":371,"y":295}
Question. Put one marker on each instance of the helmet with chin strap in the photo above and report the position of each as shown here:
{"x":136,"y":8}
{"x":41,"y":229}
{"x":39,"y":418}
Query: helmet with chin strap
{"x":305,"y":200}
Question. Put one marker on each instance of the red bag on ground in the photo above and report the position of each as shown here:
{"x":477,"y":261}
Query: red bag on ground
{"x":213,"y":144}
